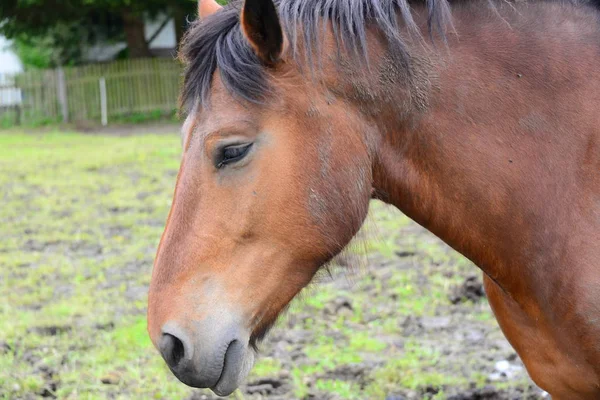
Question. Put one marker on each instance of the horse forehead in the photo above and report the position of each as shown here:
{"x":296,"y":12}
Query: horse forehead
{"x":225,"y":117}
{"x":223,"y":108}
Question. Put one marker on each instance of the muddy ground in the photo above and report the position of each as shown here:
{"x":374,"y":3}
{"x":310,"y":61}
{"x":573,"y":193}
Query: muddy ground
{"x":401,"y":316}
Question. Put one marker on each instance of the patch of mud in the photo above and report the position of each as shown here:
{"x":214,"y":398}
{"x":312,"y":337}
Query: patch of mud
{"x":486,"y":393}
{"x":5,"y":348}
{"x":492,"y":393}
{"x":50,"y":330}
{"x":120,"y":210}
{"x":35,"y":245}
{"x":111,"y":378}
{"x":338,"y":306}
{"x":202,"y":396}
{"x":358,"y":373}
{"x":412,"y":325}
{"x":470,"y":290}
{"x":268,"y":387}
{"x":50,"y":383}
{"x":108,"y":326}
{"x":319,"y":396}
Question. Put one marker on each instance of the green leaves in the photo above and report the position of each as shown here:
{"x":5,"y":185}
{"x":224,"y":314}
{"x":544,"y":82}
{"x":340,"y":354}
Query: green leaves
{"x":67,"y":28}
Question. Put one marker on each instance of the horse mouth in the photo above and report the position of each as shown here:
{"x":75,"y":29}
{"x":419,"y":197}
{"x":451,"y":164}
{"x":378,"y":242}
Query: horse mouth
{"x":233,"y":365}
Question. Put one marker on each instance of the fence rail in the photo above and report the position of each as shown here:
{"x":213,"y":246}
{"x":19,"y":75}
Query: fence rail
{"x":98,"y":92}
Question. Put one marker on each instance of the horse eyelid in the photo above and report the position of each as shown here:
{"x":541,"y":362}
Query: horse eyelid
{"x":223,"y":162}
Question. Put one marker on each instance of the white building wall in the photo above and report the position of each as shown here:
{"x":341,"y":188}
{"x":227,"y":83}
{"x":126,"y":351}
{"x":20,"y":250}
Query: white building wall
{"x":9,"y":62}
{"x":166,"y":38}
{"x":9,"y":65}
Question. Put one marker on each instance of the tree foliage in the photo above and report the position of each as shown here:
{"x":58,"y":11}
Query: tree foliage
{"x":64,"y":28}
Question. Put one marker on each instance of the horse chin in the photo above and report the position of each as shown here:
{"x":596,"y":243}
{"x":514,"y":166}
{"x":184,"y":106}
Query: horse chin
{"x":239,"y":360}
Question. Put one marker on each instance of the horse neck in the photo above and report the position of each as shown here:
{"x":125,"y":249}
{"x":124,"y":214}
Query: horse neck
{"x":479,"y":165}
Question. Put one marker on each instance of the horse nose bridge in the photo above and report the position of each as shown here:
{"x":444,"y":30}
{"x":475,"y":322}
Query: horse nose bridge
{"x":183,"y":228}
{"x":179,"y":257}
{"x":171,"y":248}
{"x":190,"y":241}
{"x":174,"y":288}
{"x":189,"y":296}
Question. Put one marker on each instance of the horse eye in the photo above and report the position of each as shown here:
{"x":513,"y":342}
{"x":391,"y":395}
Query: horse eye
{"x":232,"y":154}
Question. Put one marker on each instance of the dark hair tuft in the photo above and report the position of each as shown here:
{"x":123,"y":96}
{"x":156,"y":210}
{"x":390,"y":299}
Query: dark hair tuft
{"x":218,"y":43}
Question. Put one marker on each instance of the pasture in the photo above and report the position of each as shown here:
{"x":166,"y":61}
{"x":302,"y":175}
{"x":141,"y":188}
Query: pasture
{"x":80,"y":221}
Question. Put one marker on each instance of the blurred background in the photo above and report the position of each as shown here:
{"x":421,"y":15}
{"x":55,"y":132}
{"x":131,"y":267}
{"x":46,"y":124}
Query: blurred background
{"x":89,"y":61}
{"x":89,"y":153}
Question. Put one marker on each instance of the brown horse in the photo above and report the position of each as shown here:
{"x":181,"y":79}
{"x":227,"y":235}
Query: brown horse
{"x":479,"y":120}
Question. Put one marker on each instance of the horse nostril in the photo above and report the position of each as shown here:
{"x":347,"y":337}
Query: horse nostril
{"x":172,"y":349}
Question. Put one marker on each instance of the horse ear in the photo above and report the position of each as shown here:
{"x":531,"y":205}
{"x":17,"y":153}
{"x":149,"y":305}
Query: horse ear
{"x":261,"y":26}
{"x":207,"y":7}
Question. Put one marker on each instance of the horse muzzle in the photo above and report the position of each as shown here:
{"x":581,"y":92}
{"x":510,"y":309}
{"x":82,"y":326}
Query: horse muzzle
{"x":212,"y":354}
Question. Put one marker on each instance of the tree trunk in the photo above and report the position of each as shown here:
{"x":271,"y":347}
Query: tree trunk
{"x":135,"y":36}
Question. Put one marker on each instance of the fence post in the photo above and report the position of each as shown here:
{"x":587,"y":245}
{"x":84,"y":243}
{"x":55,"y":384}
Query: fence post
{"x":62,"y":94}
{"x":103,"y":105}
{"x":18,"y":114}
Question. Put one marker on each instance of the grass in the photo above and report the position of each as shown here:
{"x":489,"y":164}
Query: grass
{"x":71,"y":223}
{"x":80,"y":220}
{"x":9,"y":120}
{"x":145,"y":117}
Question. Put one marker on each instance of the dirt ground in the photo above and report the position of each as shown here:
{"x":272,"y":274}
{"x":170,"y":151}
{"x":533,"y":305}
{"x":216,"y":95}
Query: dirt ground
{"x":399,"y":316}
